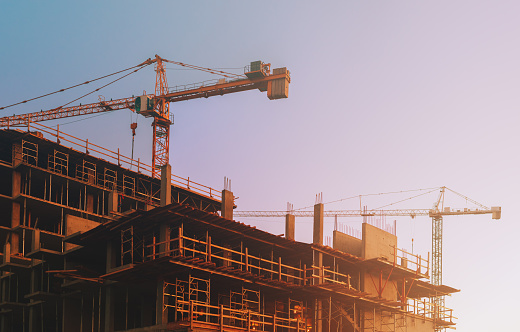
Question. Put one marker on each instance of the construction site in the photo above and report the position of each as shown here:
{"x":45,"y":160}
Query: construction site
{"x":93,"y":240}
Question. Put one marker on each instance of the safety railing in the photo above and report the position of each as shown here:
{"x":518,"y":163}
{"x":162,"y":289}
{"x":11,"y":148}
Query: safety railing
{"x":192,"y":86}
{"x":222,"y":256}
{"x":85,"y":146}
{"x":324,"y":275}
{"x":428,"y":309}
{"x":411,"y":261}
{"x":219,"y":317}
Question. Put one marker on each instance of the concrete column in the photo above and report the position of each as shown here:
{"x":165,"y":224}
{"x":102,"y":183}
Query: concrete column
{"x":90,"y":203}
{"x":17,"y":154}
{"x":7,"y":252}
{"x":113,"y":201}
{"x":289,"y":226}
{"x":161,"y":315}
{"x":164,"y":235}
{"x":317,"y":237}
{"x":36,"y":240}
{"x":109,"y":309}
{"x":15,"y":212}
{"x":111,"y":256}
{"x":15,"y":221}
{"x":166,"y":185}
{"x":228,"y":203}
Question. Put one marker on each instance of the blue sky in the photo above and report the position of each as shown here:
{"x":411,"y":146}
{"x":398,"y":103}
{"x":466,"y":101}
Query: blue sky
{"x":385,"y":96}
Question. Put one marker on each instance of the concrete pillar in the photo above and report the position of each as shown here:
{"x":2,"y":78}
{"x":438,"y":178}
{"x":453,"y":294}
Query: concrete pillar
{"x":35,"y":240}
{"x":15,"y":221}
{"x":17,"y":154}
{"x":113,"y":201}
{"x":228,"y":203}
{"x":319,"y":316}
{"x":109,"y":309}
{"x":166,"y":185}
{"x":147,"y":318}
{"x":90,"y":203}
{"x":111,"y":256}
{"x":164,"y":235}
{"x":317,"y":236}
{"x":289,"y":226}
{"x":7,"y":252}
{"x":15,"y":212}
{"x":161,"y":315}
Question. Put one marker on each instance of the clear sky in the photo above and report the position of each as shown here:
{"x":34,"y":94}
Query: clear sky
{"x":385,"y":96}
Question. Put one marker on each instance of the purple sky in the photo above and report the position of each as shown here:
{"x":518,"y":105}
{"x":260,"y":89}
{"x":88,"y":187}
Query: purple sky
{"x":385,"y":96}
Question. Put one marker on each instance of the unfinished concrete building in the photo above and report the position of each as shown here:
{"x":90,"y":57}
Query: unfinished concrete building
{"x":92,"y":243}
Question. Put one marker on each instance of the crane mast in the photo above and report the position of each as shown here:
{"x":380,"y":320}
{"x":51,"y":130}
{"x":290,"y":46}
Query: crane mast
{"x":161,"y":124}
{"x":436,"y":213}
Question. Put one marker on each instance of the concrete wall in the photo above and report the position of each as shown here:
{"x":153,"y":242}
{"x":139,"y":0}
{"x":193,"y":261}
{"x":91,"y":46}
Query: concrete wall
{"x":75,"y":224}
{"x":377,"y":243}
{"x":347,"y":243}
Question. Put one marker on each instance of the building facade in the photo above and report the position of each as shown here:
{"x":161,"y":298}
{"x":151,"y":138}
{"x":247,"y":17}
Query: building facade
{"x":93,"y":243}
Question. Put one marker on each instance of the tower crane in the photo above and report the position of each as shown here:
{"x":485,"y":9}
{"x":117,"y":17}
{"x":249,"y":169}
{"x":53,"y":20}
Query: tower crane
{"x":258,"y":75}
{"x":437,"y":212}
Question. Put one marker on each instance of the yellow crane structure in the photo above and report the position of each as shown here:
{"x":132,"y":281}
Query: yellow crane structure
{"x":257,"y":75}
{"x":436,"y":213}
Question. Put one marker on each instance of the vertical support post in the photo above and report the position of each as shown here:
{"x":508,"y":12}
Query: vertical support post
{"x":221,"y":318}
{"x":319,"y":315}
{"x":181,"y":245}
{"x":355,"y":317}
{"x":228,"y":203}
{"x":318,"y":224}
{"x":16,"y":210}
{"x":161,"y":310}
{"x":166,"y":185}
{"x":304,"y":274}
{"x":279,"y":268}
{"x":191,"y":315}
{"x":109,"y":309}
{"x":113,"y":198}
{"x":247,"y":259}
{"x":209,"y":248}
{"x":164,"y":240}
{"x":330,"y":312}
{"x":289,"y":226}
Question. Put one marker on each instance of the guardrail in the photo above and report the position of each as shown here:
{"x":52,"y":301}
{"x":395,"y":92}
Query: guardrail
{"x":85,"y":146}
{"x":411,"y":261}
{"x":220,"y":317}
{"x":428,"y":309}
{"x":273,"y":269}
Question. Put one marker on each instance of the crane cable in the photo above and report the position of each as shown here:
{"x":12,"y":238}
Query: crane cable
{"x":104,"y":86}
{"x":406,"y":199}
{"x":377,"y":194}
{"x":208,"y":70}
{"x":74,"y":86}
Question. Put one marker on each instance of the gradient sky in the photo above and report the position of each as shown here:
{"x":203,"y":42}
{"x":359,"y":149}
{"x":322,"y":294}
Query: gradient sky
{"x":385,"y":96}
